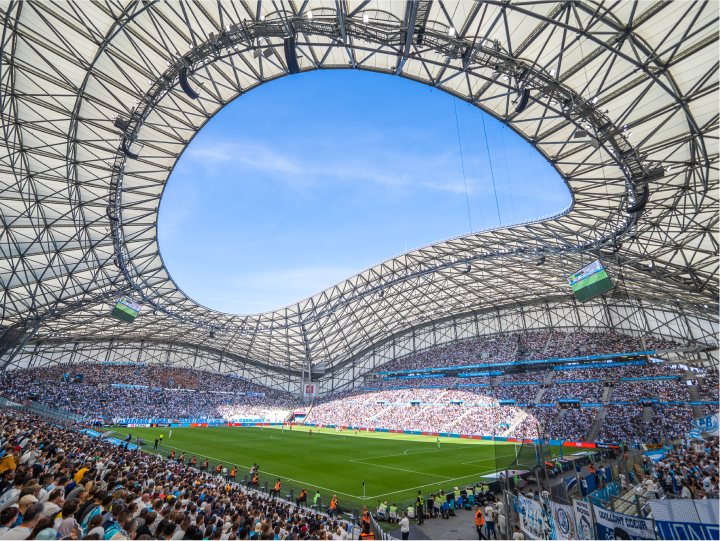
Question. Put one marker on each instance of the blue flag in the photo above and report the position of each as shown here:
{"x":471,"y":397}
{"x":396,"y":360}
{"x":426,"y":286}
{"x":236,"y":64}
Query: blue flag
{"x":363,"y":481}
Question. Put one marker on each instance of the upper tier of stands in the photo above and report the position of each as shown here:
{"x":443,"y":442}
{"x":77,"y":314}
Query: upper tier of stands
{"x":512,"y":347}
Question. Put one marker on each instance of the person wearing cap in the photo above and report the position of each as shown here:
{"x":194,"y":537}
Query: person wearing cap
{"x":29,"y":520}
{"x":26,"y":501}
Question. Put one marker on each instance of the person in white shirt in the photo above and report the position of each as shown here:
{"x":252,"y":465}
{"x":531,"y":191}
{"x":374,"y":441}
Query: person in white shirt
{"x":518,"y":534}
{"x":179,"y":533}
{"x":405,"y":526}
{"x":141,"y":503}
{"x":490,"y":521}
{"x":685,"y":493}
{"x":54,"y":504}
{"x":29,"y":456}
{"x":30,"y":519}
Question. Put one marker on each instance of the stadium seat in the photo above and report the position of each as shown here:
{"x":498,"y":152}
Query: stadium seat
{"x":245,"y":482}
{"x":356,"y":515}
{"x":289,"y":497}
{"x":264,"y":488}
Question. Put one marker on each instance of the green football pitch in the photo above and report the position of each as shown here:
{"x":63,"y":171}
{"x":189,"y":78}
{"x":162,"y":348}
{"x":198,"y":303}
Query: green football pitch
{"x":394,"y":466}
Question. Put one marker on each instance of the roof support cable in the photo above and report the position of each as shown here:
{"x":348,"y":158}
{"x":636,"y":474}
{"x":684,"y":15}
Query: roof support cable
{"x":467,"y":199}
{"x":492,"y":174}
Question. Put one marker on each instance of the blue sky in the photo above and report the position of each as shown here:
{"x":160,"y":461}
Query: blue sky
{"x":308,"y":180}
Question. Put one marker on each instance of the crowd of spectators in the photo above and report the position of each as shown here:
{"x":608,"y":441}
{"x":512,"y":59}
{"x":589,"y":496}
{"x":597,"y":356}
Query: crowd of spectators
{"x":708,"y":387}
{"x":689,"y":472}
{"x":573,"y":425}
{"x":659,"y":389}
{"x":511,"y":347}
{"x":585,"y":392}
{"x":625,"y":423}
{"x":427,"y":410}
{"x":435,"y":404}
{"x":389,"y":406}
{"x":111,"y":391}
{"x":78,"y":487}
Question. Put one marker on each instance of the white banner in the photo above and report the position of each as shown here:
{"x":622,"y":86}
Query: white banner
{"x":532,"y":522}
{"x":583,"y":521}
{"x":564,"y":521}
{"x":618,"y":526}
{"x":310,"y":390}
{"x":709,"y":423}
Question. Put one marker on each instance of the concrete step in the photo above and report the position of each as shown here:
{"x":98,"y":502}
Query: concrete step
{"x":694,"y":393}
{"x":596,"y":424}
{"x":515,"y":422}
{"x":647,"y":414}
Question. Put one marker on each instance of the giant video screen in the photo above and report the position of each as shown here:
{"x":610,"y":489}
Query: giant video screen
{"x":126,"y":310}
{"x":590,"y":281}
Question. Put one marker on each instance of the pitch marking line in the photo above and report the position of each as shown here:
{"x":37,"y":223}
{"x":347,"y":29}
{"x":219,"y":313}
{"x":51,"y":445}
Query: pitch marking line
{"x":398,"y":469}
{"x":429,"y":485}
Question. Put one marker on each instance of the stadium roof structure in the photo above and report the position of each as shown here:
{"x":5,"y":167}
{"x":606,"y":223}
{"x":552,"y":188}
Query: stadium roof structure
{"x":100,"y":99}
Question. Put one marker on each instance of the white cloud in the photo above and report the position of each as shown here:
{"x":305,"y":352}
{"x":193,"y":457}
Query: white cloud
{"x":300,"y":169}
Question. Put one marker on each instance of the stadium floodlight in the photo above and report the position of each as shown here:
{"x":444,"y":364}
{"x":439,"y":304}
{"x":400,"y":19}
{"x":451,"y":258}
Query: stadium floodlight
{"x":552,"y":72}
{"x":309,"y":15}
{"x":451,"y":32}
{"x":366,"y":18}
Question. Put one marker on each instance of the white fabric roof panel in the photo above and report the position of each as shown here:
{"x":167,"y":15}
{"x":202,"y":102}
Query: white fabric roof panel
{"x":80,"y":216}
